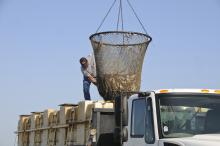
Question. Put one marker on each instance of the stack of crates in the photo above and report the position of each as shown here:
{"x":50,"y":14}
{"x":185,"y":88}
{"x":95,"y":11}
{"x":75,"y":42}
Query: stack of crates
{"x":24,"y":124}
{"x":38,"y":124}
{"x":45,"y":130}
{"x":68,"y":126}
{"x":71,"y":132}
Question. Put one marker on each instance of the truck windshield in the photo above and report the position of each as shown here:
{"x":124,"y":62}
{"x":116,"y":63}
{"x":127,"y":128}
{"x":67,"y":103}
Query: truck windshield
{"x":187,"y":115}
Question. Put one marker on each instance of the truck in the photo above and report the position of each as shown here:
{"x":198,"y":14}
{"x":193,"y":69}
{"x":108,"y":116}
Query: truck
{"x":170,"y":117}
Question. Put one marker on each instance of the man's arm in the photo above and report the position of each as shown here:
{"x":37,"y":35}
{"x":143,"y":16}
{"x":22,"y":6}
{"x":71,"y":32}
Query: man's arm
{"x":89,"y":76}
{"x":92,"y":79}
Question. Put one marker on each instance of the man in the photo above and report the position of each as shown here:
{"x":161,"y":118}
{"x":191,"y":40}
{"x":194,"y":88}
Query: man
{"x":88,"y":69}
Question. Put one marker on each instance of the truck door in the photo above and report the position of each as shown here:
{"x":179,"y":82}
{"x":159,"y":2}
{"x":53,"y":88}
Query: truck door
{"x":141,"y":131}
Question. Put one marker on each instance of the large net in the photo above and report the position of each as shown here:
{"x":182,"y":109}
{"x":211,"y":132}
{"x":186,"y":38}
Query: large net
{"x":119,"y":57}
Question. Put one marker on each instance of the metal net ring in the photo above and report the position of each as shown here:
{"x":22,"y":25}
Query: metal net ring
{"x":120,"y":38}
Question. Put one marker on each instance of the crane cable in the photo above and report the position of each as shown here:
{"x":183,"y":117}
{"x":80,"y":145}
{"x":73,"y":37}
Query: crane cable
{"x":106,"y":15}
{"x":120,"y":16}
{"x":137,"y":17}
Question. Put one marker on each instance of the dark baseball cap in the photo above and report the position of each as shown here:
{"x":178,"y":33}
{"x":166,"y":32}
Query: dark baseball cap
{"x":83,"y":59}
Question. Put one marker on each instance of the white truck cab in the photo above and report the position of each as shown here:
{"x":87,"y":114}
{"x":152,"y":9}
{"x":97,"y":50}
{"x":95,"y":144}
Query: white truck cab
{"x":174,"y":117}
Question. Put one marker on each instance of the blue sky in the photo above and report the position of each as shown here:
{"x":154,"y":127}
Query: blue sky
{"x":41,"y":42}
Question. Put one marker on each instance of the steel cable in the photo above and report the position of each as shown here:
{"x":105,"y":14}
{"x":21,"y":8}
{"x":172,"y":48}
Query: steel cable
{"x":103,"y":20}
{"x":137,"y":17}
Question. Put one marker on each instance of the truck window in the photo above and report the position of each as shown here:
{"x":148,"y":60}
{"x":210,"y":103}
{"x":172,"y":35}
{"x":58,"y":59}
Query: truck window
{"x":189,"y":115}
{"x":137,"y":118}
{"x":142,"y":120}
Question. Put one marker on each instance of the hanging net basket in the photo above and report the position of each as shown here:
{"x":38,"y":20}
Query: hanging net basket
{"x":119,"y":57}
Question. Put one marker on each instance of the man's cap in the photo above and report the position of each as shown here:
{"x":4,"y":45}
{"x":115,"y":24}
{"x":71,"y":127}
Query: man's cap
{"x":83,"y":59}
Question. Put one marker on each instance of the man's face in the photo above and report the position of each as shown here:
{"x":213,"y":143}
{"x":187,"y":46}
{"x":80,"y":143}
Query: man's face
{"x":84,"y":64}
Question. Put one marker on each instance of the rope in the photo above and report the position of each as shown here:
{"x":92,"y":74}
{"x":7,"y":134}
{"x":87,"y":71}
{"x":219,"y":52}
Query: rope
{"x":120,"y":16}
{"x":71,"y":134}
{"x":56,"y":118}
{"x":122,"y":23}
{"x":119,"y":12}
{"x":137,"y":17}
{"x":106,"y":16}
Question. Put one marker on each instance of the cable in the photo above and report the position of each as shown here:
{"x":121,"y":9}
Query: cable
{"x":122,"y":21}
{"x":106,"y":16}
{"x":119,"y":12}
{"x":137,"y":17}
{"x":120,"y":16}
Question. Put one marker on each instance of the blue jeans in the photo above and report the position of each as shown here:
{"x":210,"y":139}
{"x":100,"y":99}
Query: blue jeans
{"x":86,"y":87}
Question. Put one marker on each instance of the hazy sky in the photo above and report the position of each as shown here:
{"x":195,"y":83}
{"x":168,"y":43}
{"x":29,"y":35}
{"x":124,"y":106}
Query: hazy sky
{"x":41,"y":42}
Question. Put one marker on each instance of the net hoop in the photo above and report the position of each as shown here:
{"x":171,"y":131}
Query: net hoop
{"x":147,"y":39}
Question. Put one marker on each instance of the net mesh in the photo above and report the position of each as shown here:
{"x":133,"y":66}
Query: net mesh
{"x":119,"y":57}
